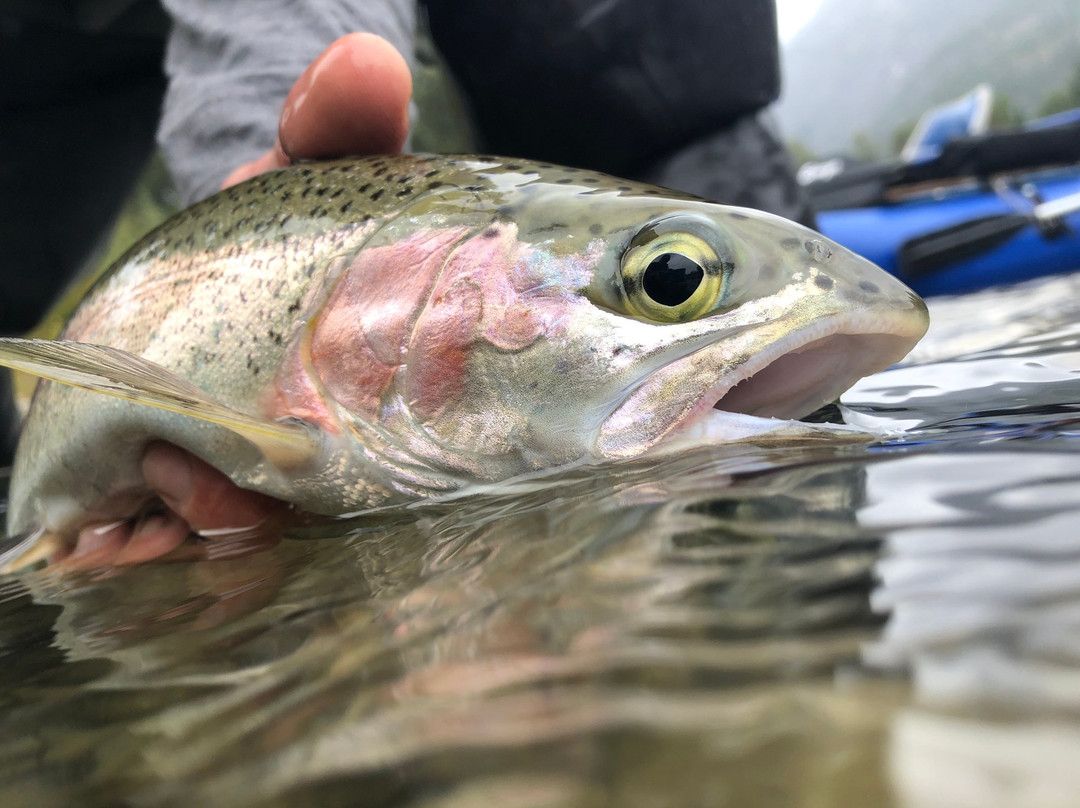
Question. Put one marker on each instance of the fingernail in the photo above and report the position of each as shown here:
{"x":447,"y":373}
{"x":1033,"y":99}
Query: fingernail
{"x":150,"y":524}
{"x":231,"y":532}
{"x":93,"y":539}
{"x":101,"y":529}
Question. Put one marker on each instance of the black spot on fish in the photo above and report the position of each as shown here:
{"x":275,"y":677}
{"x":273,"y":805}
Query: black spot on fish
{"x":345,"y":208}
{"x":375,"y":196}
{"x":790,"y":243}
{"x":403,"y":192}
{"x":767,"y":272}
{"x":565,"y":181}
{"x":433,"y":173}
{"x":739,"y":216}
{"x":625,"y":188}
{"x":596,"y":228}
{"x":592,"y":180}
{"x":294,"y":307}
{"x":867,"y":286}
{"x":491,"y":232}
{"x":513,"y":167}
{"x":823,"y":281}
{"x":320,"y":192}
{"x":379,"y":171}
{"x":364,"y":188}
{"x":436,"y":184}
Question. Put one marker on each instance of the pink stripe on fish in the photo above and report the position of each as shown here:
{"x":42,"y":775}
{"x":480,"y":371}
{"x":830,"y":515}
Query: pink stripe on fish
{"x":481,"y":296}
{"x":359,"y":340}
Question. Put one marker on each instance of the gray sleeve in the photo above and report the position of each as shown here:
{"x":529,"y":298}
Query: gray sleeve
{"x":230,"y":65}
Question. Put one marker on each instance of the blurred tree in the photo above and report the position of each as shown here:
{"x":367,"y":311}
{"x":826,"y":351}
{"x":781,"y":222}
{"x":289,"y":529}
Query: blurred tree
{"x":1064,"y":98}
{"x":1005,"y":114}
{"x":800,"y":152}
{"x":863,"y":148}
{"x":901,"y":134}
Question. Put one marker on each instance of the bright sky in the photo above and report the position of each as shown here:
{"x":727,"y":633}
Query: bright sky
{"x":793,"y":14}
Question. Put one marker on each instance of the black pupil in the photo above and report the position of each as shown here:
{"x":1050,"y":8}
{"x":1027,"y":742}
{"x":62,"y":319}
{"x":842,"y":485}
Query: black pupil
{"x":671,"y":279}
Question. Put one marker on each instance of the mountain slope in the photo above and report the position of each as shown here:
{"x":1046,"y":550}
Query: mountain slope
{"x":873,"y":65}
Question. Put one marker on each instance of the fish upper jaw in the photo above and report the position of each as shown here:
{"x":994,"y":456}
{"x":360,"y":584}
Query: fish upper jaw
{"x":769,"y":369}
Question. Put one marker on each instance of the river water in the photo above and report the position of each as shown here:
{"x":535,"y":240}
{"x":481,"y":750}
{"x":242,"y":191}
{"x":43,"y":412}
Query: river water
{"x":895,"y":624}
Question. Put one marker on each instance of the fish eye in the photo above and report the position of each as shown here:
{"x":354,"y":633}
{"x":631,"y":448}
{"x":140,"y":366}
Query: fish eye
{"x":672,"y":277}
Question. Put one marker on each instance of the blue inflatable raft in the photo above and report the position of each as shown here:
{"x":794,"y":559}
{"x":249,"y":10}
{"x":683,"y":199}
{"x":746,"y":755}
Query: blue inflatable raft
{"x":962,"y":208}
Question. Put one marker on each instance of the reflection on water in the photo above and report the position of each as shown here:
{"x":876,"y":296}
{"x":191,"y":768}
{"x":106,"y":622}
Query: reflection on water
{"x":877,"y":625}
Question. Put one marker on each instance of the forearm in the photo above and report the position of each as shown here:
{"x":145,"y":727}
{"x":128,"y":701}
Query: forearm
{"x":231,"y":64}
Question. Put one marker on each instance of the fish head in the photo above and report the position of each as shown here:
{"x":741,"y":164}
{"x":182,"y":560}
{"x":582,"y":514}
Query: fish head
{"x":561,"y":317}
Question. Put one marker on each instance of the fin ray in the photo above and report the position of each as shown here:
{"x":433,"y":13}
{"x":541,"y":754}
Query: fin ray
{"x":121,"y":374}
{"x":27,"y":549}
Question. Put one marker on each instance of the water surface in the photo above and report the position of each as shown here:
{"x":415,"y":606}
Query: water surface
{"x":797,"y":625}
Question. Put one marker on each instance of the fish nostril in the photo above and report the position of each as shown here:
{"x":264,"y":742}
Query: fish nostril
{"x":818,"y":249}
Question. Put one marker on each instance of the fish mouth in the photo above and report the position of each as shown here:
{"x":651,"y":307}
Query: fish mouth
{"x":802,"y":379}
{"x":787,"y":379}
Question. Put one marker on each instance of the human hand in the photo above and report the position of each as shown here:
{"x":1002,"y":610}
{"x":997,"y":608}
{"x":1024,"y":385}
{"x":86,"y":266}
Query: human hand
{"x":352,"y":100}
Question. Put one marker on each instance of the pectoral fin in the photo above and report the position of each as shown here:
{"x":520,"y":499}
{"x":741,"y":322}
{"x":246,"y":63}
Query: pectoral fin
{"x":28,"y":549}
{"x":113,"y":372}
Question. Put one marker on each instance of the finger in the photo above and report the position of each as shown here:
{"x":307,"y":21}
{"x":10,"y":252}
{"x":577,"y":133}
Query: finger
{"x":275,"y":158}
{"x":96,"y":546}
{"x":209,"y":502}
{"x":153,"y":536}
{"x":352,"y":100}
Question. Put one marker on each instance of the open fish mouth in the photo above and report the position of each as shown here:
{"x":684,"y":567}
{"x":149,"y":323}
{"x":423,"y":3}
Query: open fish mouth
{"x":802,"y":379}
{"x":788,"y":378}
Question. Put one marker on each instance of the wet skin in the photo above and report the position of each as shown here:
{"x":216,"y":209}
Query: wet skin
{"x":352,"y":100}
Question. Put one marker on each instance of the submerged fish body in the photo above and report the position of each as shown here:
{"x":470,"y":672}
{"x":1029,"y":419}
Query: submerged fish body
{"x":421,"y":323}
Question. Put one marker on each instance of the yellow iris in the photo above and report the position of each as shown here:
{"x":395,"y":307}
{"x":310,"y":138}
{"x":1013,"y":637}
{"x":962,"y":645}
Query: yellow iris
{"x":672,"y":277}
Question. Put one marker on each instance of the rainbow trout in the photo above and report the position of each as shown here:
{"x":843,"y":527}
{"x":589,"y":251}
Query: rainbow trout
{"x":353,"y":334}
